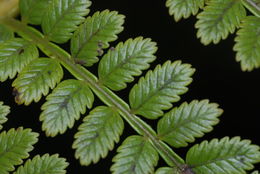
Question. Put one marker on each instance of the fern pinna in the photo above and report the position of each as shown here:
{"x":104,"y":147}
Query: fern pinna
{"x":63,"y":21}
{"x":219,"y":18}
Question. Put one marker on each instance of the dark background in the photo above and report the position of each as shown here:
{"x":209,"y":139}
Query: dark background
{"x":218,"y":78}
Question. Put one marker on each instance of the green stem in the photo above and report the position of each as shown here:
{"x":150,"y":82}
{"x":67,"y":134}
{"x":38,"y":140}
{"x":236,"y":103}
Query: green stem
{"x":105,"y":94}
{"x":252,"y":6}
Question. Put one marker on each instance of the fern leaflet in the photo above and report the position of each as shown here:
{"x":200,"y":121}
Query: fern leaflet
{"x":135,"y":155}
{"x":33,"y":11}
{"x":4,"y":111}
{"x":64,"y":105}
{"x":184,"y":8}
{"x":94,"y":34}
{"x":62,"y":18}
{"x":218,"y":19}
{"x":223,"y":156}
{"x":181,"y":125}
{"x":97,"y":134}
{"x":248,"y":43}
{"x":167,"y":170}
{"x":5,"y":34}
{"x":14,"y":147}
{"x":36,"y":79}
{"x":128,"y":59}
{"x":43,"y":164}
{"x":15,"y":54}
{"x":159,"y":88}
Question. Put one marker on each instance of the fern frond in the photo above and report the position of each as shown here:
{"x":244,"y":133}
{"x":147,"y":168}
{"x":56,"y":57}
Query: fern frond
{"x":44,"y":164}
{"x":14,"y":147}
{"x":63,"y":17}
{"x":64,"y":105}
{"x":94,"y":35}
{"x":5,"y":33}
{"x":97,"y":134}
{"x":36,"y":79}
{"x":15,"y":54}
{"x":167,"y":170}
{"x":184,"y":8}
{"x":248,"y":43}
{"x":4,"y":111}
{"x":128,"y":59}
{"x":159,"y":88}
{"x":218,"y":19}
{"x":182,"y":125}
{"x":32,"y":11}
{"x":255,"y":172}
{"x":136,"y":155}
{"x":223,"y":156}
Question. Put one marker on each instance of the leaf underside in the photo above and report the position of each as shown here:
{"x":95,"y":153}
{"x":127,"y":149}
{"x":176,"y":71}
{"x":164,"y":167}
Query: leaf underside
{"x":32,"y":11}
{"x":218,"y":19}
{"x":182,"y":125}
{"x":63,"y":17}
{"x":97,"y":134}
{"x":43,"y":164}
{"x":36,"y":79}
{"x":14,"y":147}
{"x":4,"y":111}
{"x":248,"y":43}
{"x":135,"y":156}
{"x":159,"y":88}
{"x":94,"y":35}
{"x":184,"y":8}
{"x":15,"y":54}
{"x":224,"y":156}
{"x":64,"y":105}
{"x":128,"y":59}
{"x":5,"y":34}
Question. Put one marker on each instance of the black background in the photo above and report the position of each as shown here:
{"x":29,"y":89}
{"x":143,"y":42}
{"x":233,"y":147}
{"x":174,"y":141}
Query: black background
{"x":218,"y":78}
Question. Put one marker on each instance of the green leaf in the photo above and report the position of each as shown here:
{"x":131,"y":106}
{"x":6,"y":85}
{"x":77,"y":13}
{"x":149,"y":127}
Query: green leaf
{"x":33,"y":11}
{"x":182,"y":125}
{"x":14,"y":147}
{"x":45,"y":164}
{"x":218,"y":19}
{"x":94,"y":35}
{"x":225,"y":156}
{"x":15,"y":54}
{"x":135,"y":156}
{"x":64,"y":105}
{"x":248,"y":44}
{"x":97,"y":134}
{"x":36,"y":79}
{"x":4,"y":111}
{"x":128,"y":59}
{"x":184,"y":8}
{"x":167,"y":170}
{"x":159,"y":88}
{"x":255,"y":172}
{"x":63,"y":17}
{"x":5,"y":34}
